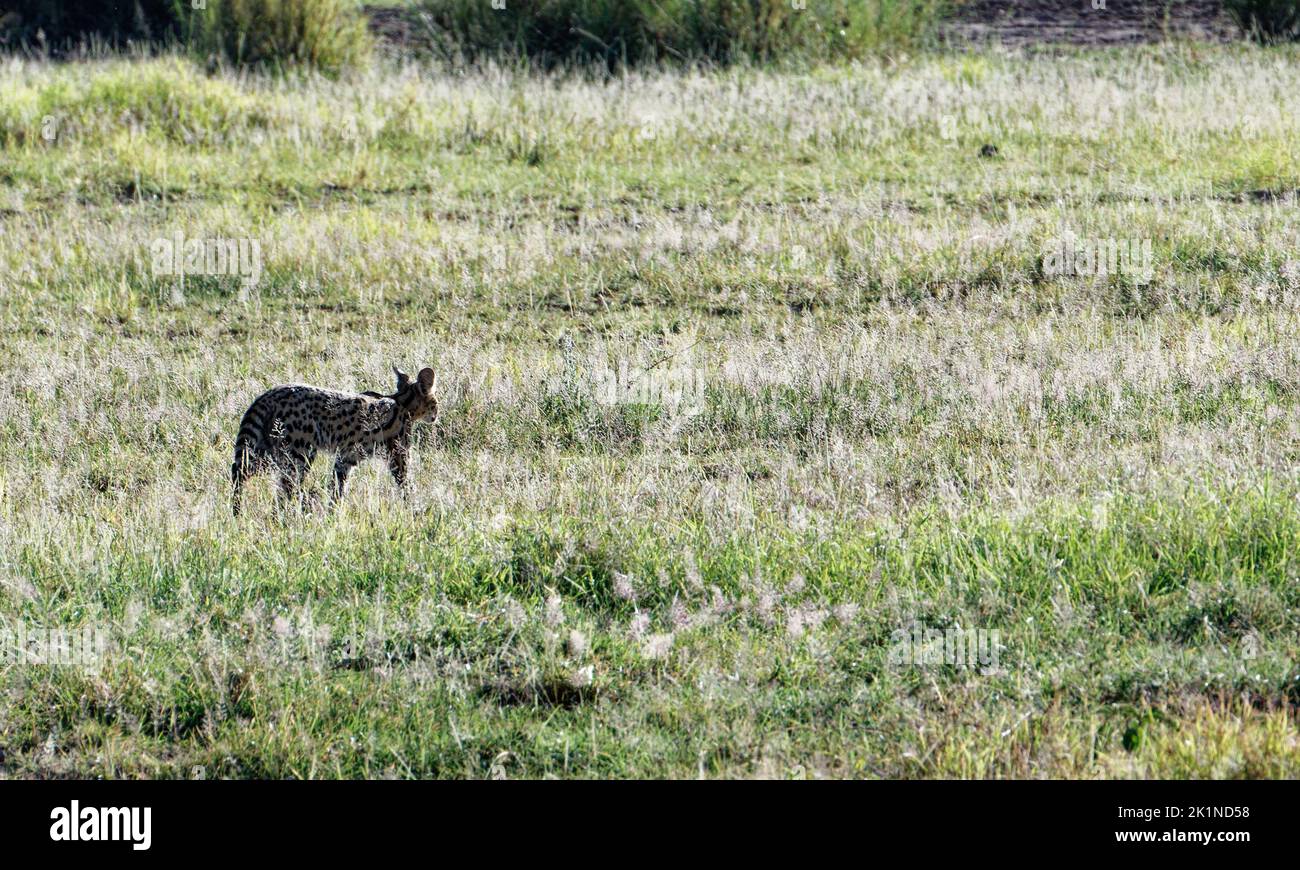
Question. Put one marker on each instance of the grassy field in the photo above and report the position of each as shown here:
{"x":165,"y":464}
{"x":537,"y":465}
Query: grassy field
{"x":745,"y":375}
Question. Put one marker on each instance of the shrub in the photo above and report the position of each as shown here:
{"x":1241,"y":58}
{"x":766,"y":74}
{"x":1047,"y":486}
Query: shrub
{"x":329,"y":35}
{"x":616,"y":32}
{"x":1267,"y":20}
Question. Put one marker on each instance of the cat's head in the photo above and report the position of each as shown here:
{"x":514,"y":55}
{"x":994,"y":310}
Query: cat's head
{"x":415,"y":396}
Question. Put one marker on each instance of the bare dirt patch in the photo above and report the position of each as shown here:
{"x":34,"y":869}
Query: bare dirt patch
{"x":1080,"y":22}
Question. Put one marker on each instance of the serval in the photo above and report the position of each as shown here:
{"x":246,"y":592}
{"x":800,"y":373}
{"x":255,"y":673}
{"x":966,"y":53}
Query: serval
{"x":286,"y":425}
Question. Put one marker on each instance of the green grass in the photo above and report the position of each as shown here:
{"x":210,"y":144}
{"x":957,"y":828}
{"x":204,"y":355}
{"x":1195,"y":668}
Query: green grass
{"x":904,"y":420}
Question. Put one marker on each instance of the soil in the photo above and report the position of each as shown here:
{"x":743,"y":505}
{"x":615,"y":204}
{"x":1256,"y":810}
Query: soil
{"x":397,"y":27}
{"x":1077,"y":22}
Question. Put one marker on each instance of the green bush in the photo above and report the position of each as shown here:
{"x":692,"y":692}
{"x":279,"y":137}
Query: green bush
{"x":618,"y":32}
{"x":329,"y":35}
{"x":1267,"y":20}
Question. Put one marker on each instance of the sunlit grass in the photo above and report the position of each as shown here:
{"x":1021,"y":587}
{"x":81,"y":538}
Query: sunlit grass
{"x":904,"y":419}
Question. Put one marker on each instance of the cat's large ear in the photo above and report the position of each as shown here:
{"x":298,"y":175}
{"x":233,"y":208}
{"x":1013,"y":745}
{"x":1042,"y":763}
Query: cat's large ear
{"x":428,"y":379}
{"x":402,"y":378}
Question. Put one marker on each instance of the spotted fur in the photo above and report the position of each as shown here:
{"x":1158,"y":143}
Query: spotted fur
{"x":285,"y":427}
